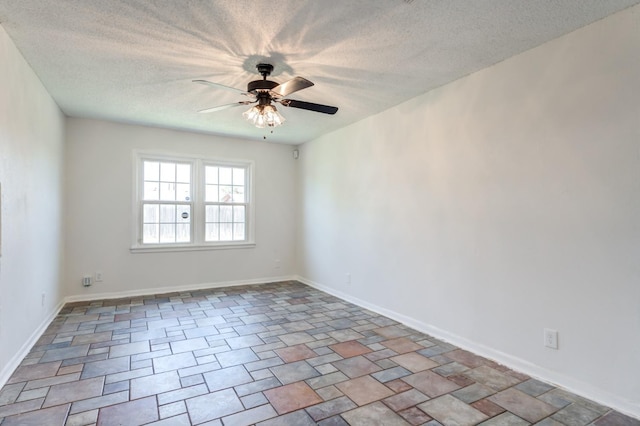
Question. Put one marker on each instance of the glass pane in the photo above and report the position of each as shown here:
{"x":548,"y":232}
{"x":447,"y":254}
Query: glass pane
{"x":183,"y":233}
{"x":226,"y":214}
{"x":225,"y":175}
{"x":212,"y":214}
{"x":183,"y":192}
{"x":211,"y":175}
{"x":183,"y":173}
{"x":150,"y":234}
{"x":238,"y":176}
{"x":167,"y":191}
{"x":238,"y":194}
{"x":167,"y":233}
{"x":167,"y":213}
{"x":151,"y":170}
{"x":225,"y":194}
{"x":211,"y":193}
{"x":238,"y":214}
{"x":211,"y":232}
{"x":226,"y":232}
{"x":238,"y":231}
{"x":150,"y":213}
{"x":181,"y":212}
{"x":151,"y":191}
{"x":168,"y":172}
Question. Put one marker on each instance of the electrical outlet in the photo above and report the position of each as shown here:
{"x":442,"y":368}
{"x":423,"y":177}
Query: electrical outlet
{"x":347,"y":279}
{"x":86,"y":280}
{"x":98,"y":276}
{"x":276,"y":264}
{"x":43,"y":296}
{"x":551,"y":338}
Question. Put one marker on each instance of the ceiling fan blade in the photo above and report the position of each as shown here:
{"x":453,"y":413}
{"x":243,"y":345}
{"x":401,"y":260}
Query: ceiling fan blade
{"x":221,"y":86}
{"x":326,"y":109}
{"x":293,"y":85}
{"x":223,"y":107}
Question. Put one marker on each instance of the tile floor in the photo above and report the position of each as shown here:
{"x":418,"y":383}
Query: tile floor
{"x":275,"y":354}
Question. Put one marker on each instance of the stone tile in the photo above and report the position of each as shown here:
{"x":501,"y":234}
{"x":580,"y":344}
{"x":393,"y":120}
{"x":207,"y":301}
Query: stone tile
{"x":391,"y":332}
{"x":575,"y":415}
{"x":466,"y":358}
{"x":293,"y":339}
{"x":374,"y":414}
{"x":523,"y":405}
{"x":333,"y":421}
{"x":102,"y":368}
{"x":295,"y":353}
{"x":99,"y":402}
{"x":64,"y":353}
{"x":9,"y":393}
{"x":35,"y":371}
{"x":82,"y":419}
{"x":330,"y":408}
{"x":128,"y":349}
{"x":294,"y":372}
{"x":73,"y":391}
{"x":449,"y":410}
{"x":173,"y":362}
{"x":297,"y":418}
{"x":491,"y":378}
{"x":84,"y":339}
{"x":534,"y":387}
{"x":253,"y":400}
{"x":364,"y":390}
{"x":155,"y":384}
{"x":189,"y":345}
{"x":181,"y":420}
{"x":390,"y":374}
{"x":405,"y":400}
{"x":33,"y":394}
{"x":292,"y":397}
{"x":450,"y":369}
{"x":237,"y":357}
{"x":356,"y":366}
{"x":327,"y":380}
{"x":349,"y":349}
{"x":328,"y":392}
{"x":401,"y":345}
{"x":506,"y":419}
{"x":244,"y":341}
{"x":616,"y":419}
{"x":213,"y":406}
{"x":257,"y":386}
{"x":138,"y":412}
{"x":345,"y":335}
{"x":251,"y":416}
{"x":227,"y":377}
{"x":414,"y":362}
{"x":415,"y":416}
{"x":473,"y":393}
{"x":54,"y":416}
{"x":430,"y":383}
{"x":487,"y":407}
{"x":398,"y":385}
{"x":20,"y":407}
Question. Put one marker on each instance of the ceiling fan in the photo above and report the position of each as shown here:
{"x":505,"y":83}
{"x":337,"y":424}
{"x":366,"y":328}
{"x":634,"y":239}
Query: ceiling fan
{"x":265,"y":93}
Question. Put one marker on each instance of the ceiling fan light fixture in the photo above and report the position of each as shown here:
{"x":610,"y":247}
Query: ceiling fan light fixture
{"x":264,"y":116}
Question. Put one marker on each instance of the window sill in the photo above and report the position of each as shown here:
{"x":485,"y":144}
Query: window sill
{"x":190,"y":247}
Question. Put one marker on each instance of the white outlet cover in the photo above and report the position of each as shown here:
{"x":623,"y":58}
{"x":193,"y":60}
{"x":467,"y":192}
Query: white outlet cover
{"x":551,"y":338}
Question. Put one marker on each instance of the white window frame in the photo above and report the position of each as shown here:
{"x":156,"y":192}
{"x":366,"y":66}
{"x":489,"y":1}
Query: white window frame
{"x":198,"y":165}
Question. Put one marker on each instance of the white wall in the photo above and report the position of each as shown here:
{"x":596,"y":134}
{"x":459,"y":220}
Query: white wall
{"x":31,"y":168}
{"x":496,"y":206}
{"x":99,"y":205}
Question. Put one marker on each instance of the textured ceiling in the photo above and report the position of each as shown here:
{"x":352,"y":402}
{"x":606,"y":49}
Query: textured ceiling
{"x":133,"y":61}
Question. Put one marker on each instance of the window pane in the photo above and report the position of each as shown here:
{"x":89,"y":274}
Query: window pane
{"x":238,"y":231}
{"x":168,"y":191}
{"x":151,"y":213}
{"x":211,"y":193}
{"x":238,"y":214}
{"x":168,"y":233}
{"x":151,"y":170}
{"x":226,"y":214}
{"x":168,"y":172}
{"x":212,"y":214}
{"x":167,"y":213}
{"x":181,"y":212}
{"x":183,"y":192}
{"x":225,"y":175}
{"x":151,"y":191}
{"x":238,"y":194}
{"x":183,"y":233}
{"x":150,"y":233}
{"x":211,"y":175}
{"x":226,"y":232}
{"x":211,"y":232}
{"x":183,"y":173}
{"x":238,"y":176}
{"x":225,"y":194}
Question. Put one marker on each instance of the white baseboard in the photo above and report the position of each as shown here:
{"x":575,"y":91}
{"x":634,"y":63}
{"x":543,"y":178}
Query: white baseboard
{"x":14,"y":362}
{"x":571,"y":384}
{"x":173,"y":289}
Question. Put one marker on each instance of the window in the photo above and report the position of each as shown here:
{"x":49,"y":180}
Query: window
{"x":191,"y":203}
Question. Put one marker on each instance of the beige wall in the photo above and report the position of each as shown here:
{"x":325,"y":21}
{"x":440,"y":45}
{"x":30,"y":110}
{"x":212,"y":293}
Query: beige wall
{"x":496,"y":206}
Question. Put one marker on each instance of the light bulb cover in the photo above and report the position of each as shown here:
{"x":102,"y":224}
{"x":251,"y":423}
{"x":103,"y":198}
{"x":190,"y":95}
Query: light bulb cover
{"x":264,"y":116}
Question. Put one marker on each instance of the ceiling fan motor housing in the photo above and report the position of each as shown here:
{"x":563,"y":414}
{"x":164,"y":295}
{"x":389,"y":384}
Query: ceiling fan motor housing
{"x":261,"y":85}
